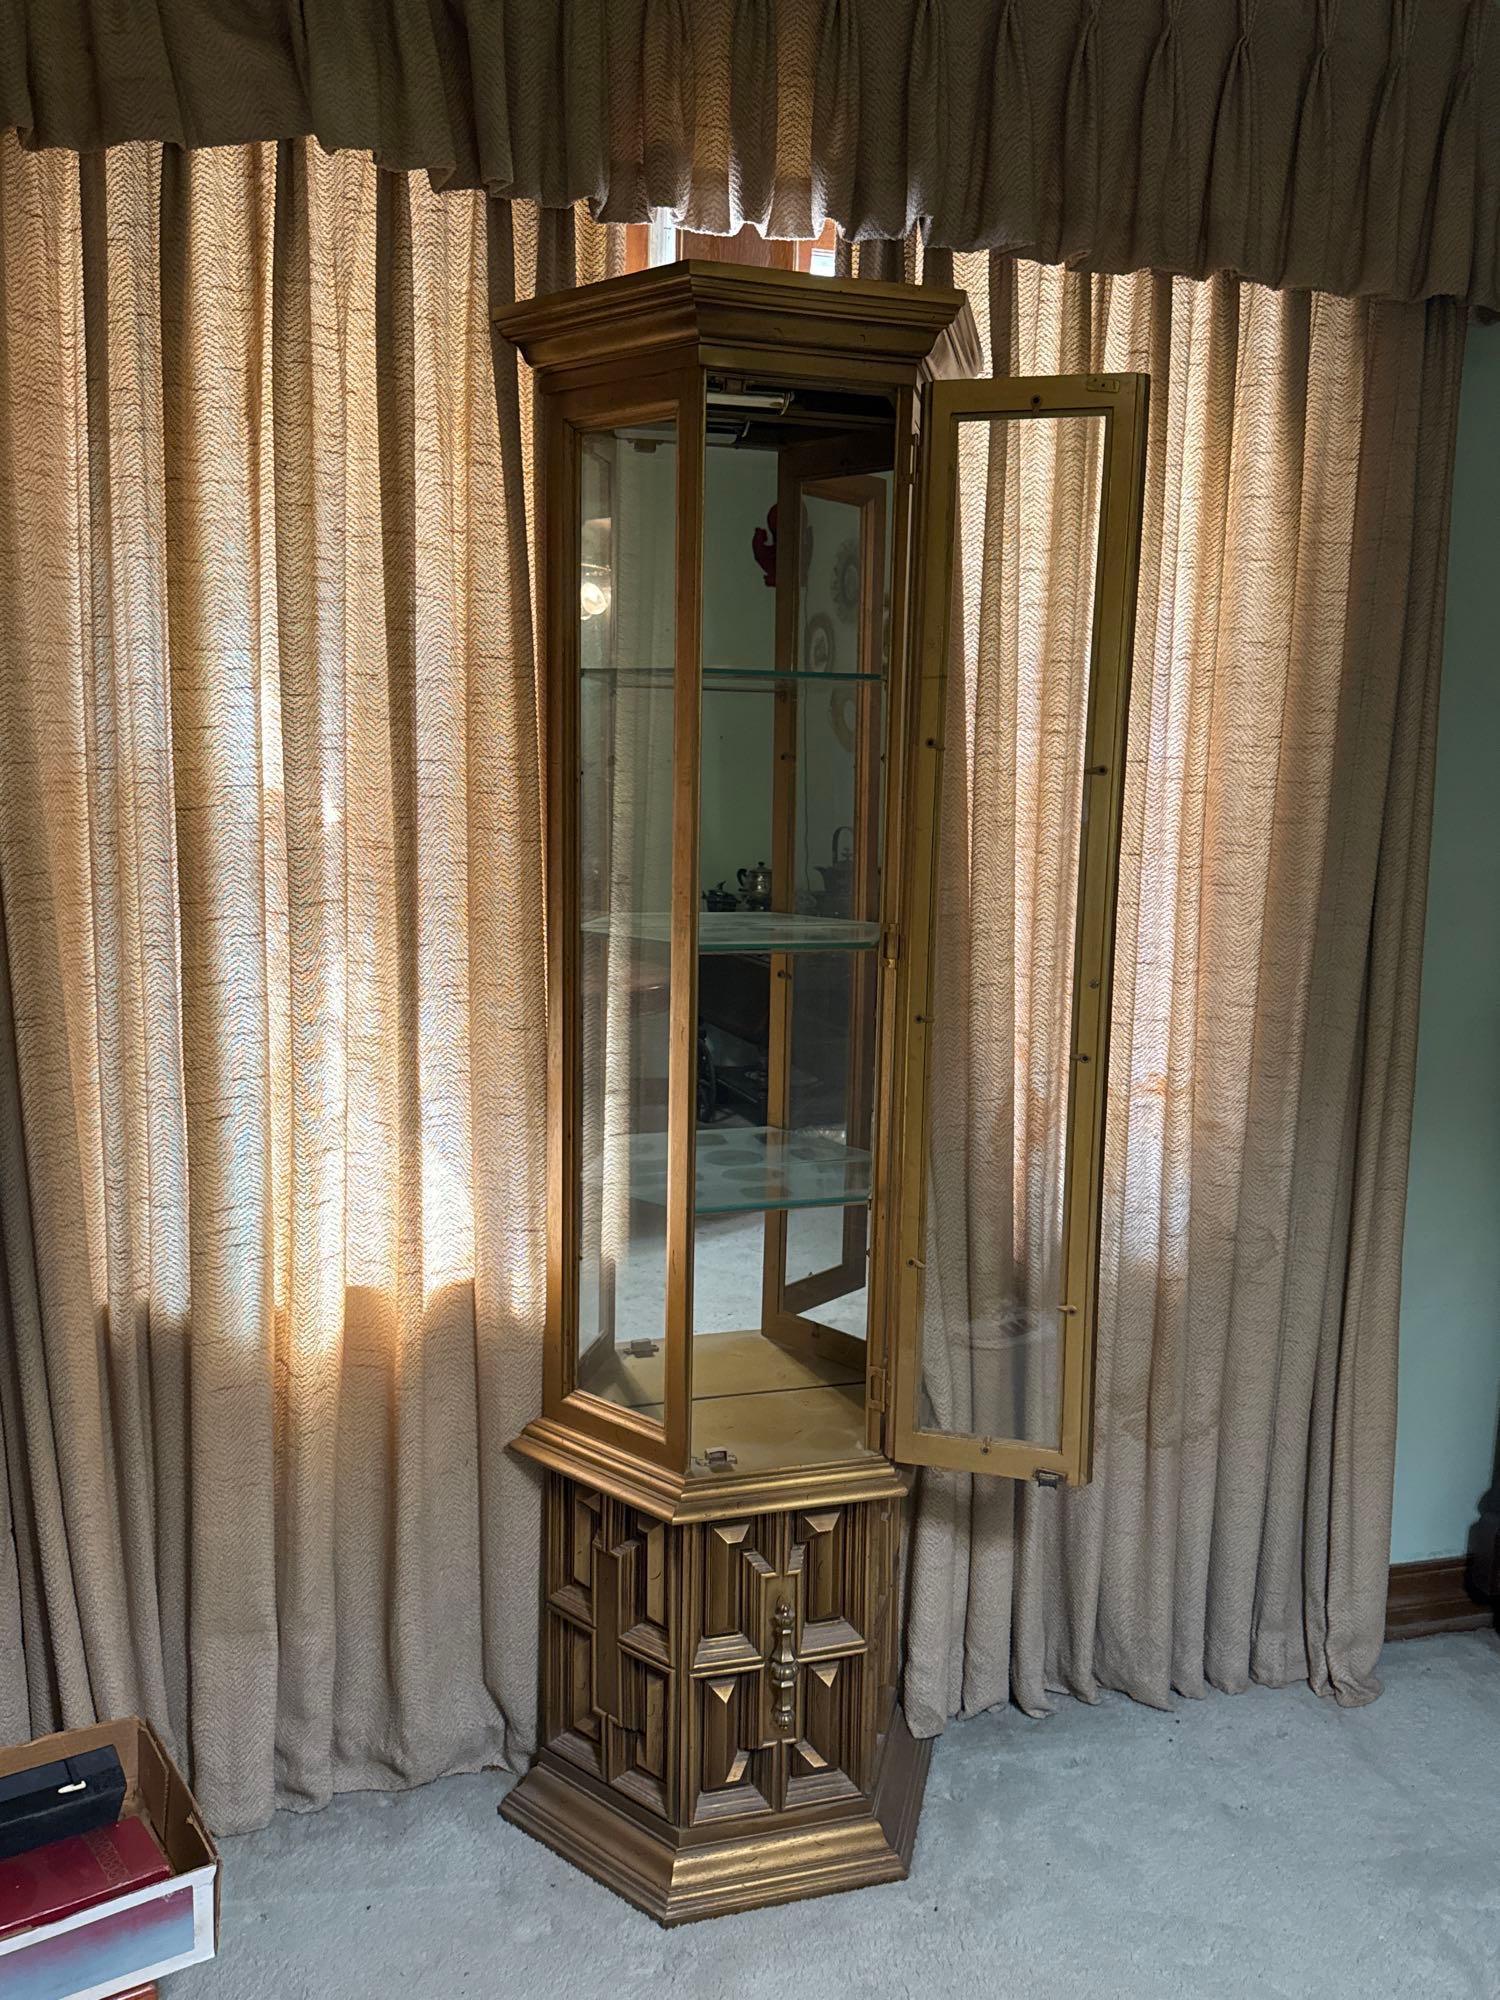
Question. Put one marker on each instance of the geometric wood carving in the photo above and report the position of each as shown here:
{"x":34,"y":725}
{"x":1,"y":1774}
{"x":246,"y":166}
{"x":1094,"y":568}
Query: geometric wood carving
{"x":725,"y":1670}
{"x":718,"y":1704}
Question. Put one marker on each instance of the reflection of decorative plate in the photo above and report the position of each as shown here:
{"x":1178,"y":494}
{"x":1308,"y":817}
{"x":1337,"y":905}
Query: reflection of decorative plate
{"x":845,"y":582}
{"x":820,"y":648}
{"x":841,"y":715}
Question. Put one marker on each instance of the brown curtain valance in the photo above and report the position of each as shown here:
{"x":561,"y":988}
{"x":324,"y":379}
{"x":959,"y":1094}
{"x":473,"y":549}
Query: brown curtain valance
{"x":1347,"y":145}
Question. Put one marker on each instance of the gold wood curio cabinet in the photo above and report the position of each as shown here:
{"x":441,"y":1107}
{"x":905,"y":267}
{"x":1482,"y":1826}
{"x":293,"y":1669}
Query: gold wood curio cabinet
{"x":837,"y":638}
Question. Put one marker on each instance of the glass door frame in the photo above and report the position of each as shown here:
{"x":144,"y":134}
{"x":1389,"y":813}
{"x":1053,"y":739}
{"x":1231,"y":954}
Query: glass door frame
{"x":1122,"y":401}
{"x":567,"y":416}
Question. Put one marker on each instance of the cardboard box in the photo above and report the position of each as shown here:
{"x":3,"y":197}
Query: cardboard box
{"x":126,"y":1941}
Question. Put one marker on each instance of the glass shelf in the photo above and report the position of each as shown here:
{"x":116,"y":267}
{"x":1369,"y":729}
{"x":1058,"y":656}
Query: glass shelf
{"x":744,"y":931}
{"x":721,"y":680}
{"x":746,"y":1168}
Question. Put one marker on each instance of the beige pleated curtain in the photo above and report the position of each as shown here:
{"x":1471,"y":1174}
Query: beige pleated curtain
{"x":271,"y":1055}
{"x":1272,"y":891}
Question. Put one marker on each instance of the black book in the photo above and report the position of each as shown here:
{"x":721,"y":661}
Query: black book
{"x":53,"y":1801}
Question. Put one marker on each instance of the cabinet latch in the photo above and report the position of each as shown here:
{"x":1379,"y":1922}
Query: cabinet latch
{"x":1051,"y":1480}
{"x":890,"y":945}
{"x":717,"y":1460}
{"x":877,"y":1387}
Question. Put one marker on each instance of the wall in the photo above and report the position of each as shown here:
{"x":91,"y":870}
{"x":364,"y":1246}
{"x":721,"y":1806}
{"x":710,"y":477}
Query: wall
{"x":1450,"y":1306}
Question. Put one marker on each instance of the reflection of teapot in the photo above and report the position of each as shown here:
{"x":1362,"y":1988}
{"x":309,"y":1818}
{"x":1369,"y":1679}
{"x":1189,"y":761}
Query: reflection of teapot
{"x":755,"y":886}
{"x":838,"y":877}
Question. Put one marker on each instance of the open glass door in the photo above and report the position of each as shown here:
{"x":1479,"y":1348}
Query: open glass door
{"x":1029,"y":544}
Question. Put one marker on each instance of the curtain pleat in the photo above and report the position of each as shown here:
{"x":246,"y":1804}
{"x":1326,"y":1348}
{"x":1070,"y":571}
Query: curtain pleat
{"x":1450,"y":250}
{"x":1389,"y":702}
{"x":1270,"y":911}
{"x":667,"y":104}
{"x":835,"y":117}
{"x":1391,"y":190}
{"x":1080,"y":147}
{"x":37,"y":1650}
{"x":315,"y":300}
{"x":1309,"y":191}
{"x":1239,"y":183}
{"x":1167,"y":199}
{"x":926,"y":95}
{"x":270,"y":862}
{"x":1008,"y":186}
{"x":752,"y":112}
{"x":216,"y":213}
{"x":139,"y":1027}
{"x":586,"y":85}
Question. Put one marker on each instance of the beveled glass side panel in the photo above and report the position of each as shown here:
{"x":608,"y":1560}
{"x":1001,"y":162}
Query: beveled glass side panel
{"x":627,"y":482}
{"x":1001,"y":1058}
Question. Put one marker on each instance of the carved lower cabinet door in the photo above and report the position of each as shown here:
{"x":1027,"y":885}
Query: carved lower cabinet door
{"x":782,"y":1657}
{"x":610,"y":1657}
{"x":731,"y":1680}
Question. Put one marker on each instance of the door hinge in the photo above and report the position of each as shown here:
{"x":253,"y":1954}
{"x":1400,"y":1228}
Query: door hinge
{"x":1051,"y":1480}
{"x":877,"y":1388}
{"x":717,"y":1459}
{"x":890,"y":945}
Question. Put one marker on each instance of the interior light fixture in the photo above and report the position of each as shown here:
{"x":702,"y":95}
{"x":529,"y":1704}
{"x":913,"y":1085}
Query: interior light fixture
{"x":778,"y":401}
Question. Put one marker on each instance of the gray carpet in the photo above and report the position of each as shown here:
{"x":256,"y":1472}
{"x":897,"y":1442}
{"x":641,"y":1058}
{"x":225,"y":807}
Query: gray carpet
{"x":1265,"y":1844}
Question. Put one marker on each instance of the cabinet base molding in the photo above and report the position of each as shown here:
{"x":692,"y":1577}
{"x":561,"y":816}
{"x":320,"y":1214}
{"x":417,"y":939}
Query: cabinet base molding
{"x":677,"y":1884}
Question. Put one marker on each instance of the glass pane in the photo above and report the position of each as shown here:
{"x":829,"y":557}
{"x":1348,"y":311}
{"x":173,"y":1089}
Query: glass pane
{"x":1000,"y":1061}
{"x":626,"y":636}
{"x":794,"y":637}
{"x":827,"y":1269}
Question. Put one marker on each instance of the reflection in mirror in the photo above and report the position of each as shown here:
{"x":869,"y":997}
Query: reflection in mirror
{"x":1027,"y":527}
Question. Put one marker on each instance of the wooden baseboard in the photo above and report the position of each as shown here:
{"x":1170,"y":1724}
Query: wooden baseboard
{"x":1429,"y":1597}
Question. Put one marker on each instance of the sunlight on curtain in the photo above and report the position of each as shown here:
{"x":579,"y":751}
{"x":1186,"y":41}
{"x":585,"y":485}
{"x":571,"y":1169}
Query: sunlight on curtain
{"x":270,"y":862}
{"x":1264,"y":1002}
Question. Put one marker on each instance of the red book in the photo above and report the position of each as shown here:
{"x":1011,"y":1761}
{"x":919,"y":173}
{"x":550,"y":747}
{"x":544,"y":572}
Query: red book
{"x":66,"y":1875}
